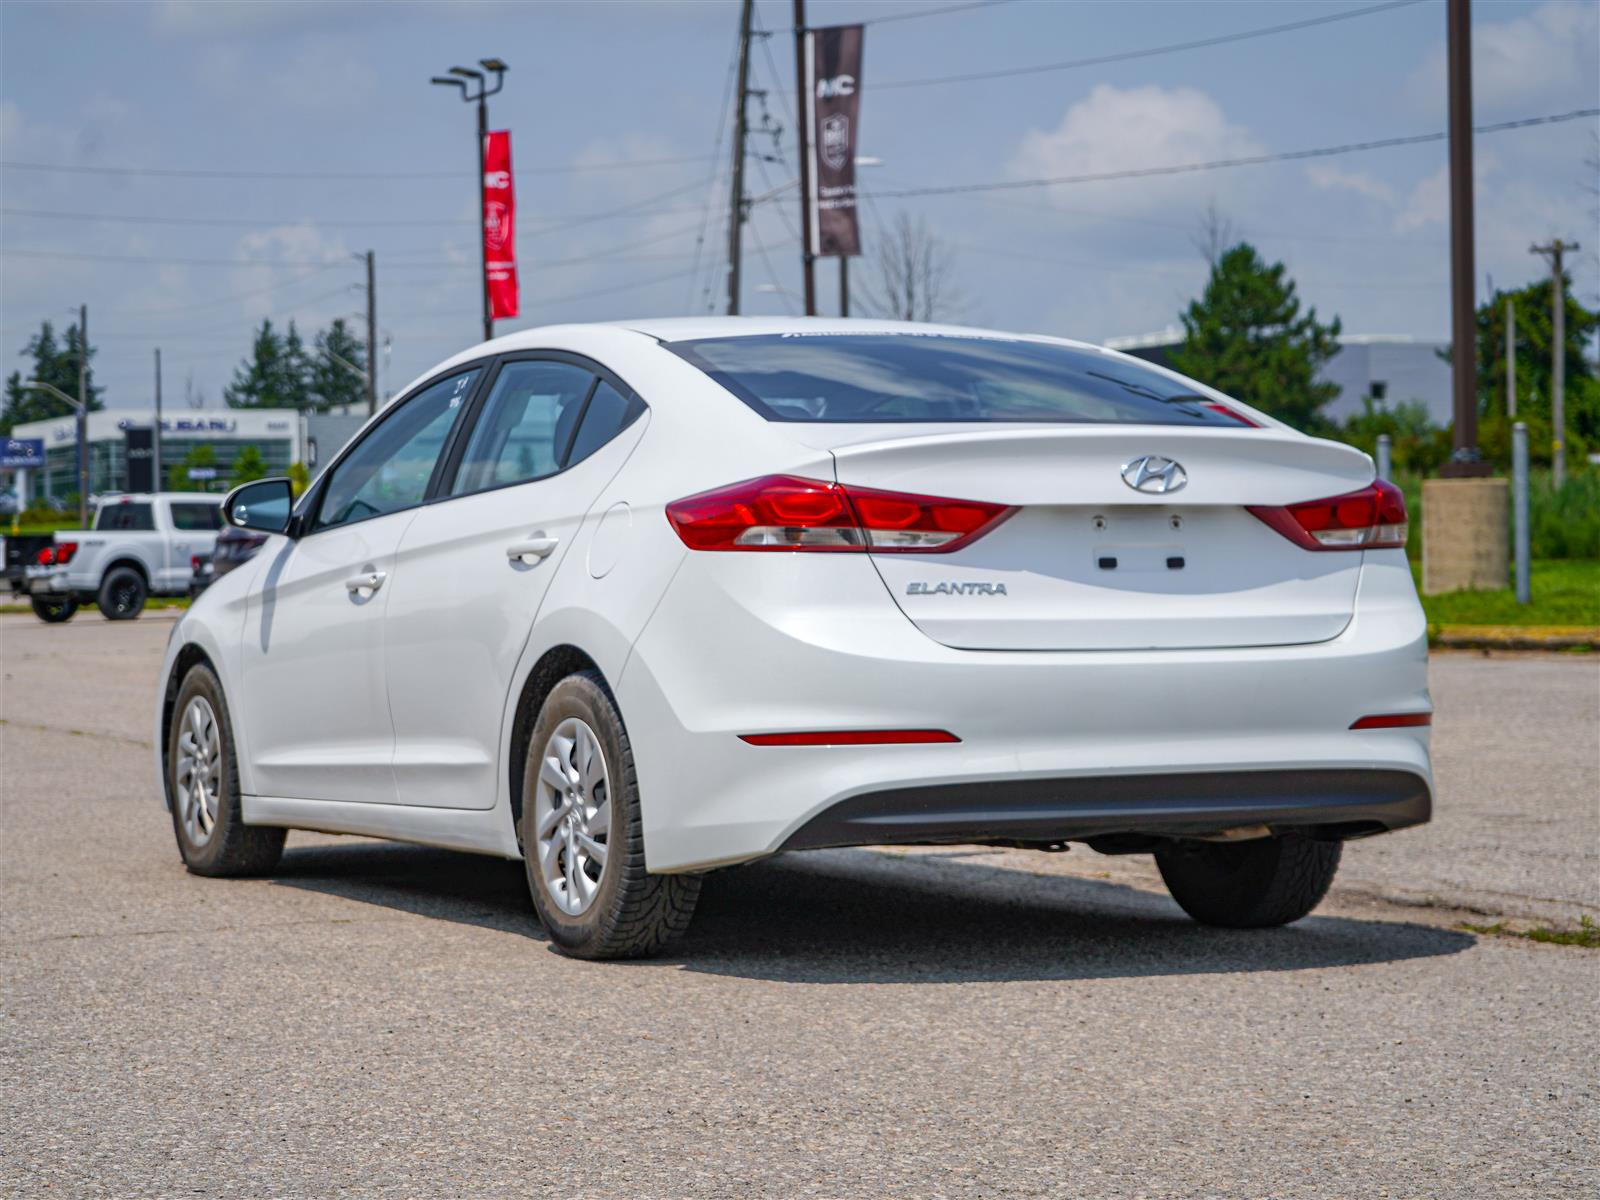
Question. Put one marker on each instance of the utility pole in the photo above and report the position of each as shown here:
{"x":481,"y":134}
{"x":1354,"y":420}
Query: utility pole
{"x":741,"y":128}
{"x":1511,"y":359}
{"x":1465,"y":460}
{"x":807,"y":263}
{"x":458,"y":78}
{"x":83,"y":416}
{"x":372,"y":337}
{"x":844,"y":285}
{"x":1558,"y":356}
{"x":155,"y":442}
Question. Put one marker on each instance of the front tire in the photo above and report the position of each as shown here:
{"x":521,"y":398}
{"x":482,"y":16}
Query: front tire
{"x":1249,"y":885}
{"x":122,"y":594}
{"x":53,"y":610}
{"x":583,"y":836}
{"x":203,"y":786}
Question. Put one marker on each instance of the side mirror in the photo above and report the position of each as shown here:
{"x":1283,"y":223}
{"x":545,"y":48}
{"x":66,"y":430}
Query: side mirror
{"x":264,"y":505}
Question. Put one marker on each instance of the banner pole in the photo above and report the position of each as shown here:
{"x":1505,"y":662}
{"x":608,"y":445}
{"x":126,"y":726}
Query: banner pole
{"x":483,"y":218}
{"x":803,"y":89}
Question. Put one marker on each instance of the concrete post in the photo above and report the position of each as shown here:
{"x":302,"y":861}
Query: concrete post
{"x":1465,"y":539}
{"x":1519,"y":509}
{"x":1385,"y":456}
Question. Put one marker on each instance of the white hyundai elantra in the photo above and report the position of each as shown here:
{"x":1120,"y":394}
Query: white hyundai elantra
{"x":634,"y":601}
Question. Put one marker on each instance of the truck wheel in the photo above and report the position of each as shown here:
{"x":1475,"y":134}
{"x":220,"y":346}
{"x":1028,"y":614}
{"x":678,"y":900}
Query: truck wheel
{"x":1249,"y":885}
{"x":54,"y":609}
{"x":203,"y":784}
{"x":583,"y":836}
{"x":122,"y":594}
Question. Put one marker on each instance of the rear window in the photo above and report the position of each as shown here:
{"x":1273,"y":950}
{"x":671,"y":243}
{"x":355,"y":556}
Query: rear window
{"x":188,"y":515}
{"x":915,"y":377}
{"x":129,"y":517}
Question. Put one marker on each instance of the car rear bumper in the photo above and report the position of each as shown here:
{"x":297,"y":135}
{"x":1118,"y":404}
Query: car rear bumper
{"x":1335,"y":804}
{"x":1053,"y":745}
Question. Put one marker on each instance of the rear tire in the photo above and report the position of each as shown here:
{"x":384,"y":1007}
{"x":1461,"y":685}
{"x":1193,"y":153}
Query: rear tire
{"x":53,"y":610}
{"x":122,"y":594}
{"x":579,"y":785}
{"x":1249,"y":885}
{"x":203,"y":786}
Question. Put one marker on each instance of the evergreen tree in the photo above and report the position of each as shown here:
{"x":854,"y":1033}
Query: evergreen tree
{"x":332,"y":383}
{"x":1247,"y":337}
{"x":275,"y":375}
{"x":1534,"y":333}
{"x":248,"y":465}
{"x":54,"y":362}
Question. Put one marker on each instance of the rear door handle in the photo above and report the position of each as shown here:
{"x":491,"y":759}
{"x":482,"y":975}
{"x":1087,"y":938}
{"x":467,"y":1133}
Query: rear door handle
{"x":531,"y":550}
{"x":366,"y":583}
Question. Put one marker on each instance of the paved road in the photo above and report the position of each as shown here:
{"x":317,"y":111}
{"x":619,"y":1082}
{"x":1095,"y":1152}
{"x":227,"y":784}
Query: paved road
{"x":386,"y":1021}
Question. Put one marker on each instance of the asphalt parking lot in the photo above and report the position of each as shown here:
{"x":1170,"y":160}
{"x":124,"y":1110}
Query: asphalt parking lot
{"x":382,"y":1020}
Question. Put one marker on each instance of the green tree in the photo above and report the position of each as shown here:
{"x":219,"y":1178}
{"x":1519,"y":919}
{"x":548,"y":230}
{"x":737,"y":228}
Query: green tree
{"x":1419,"y":446}
{"x":299,"y":476}
{"x":276,"y":375}
{"x":1248,"y":337}
{"x":1535,"y":331}
{"x":54,"y":362}
{"x":332,"y":382}
{"x":201,"y":455}
{"x":247,"y":465}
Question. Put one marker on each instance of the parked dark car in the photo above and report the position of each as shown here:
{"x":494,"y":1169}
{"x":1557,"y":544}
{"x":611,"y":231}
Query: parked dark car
{"x":234,"y":547}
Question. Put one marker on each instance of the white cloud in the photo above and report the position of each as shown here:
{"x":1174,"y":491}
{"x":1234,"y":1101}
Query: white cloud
{"x":1119,"y":129}
{"x":1547,"y":57}
{"x":1334,"y":179}
{"x":1429,"y":201}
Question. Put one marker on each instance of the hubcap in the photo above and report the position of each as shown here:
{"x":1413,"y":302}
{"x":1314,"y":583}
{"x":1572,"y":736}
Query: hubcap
{"x":199,"y":774}
{"x":572,"y":816}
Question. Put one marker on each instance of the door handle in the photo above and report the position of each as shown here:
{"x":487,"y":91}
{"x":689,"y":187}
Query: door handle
{"x":531,"y":550}
{"x":367,"y":582}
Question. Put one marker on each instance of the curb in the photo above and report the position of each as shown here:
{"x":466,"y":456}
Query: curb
{"x":1512,"y":637}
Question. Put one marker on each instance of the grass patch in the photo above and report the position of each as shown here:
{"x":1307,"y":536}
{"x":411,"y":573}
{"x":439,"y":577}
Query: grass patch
{"x":1565,"y":592}
{"x":1586,"y":935}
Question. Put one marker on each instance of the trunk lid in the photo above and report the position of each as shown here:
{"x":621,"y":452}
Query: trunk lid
{"x":1089,"y":563}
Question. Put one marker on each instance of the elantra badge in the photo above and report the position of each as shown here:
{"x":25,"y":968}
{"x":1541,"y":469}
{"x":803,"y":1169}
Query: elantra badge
{"x":1154,"y":475}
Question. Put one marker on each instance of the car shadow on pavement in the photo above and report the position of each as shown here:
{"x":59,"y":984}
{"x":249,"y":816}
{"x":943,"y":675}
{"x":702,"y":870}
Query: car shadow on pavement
{"x":874,"y":916}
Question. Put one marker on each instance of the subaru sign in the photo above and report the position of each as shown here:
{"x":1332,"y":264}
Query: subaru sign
{"x":21,"y":453}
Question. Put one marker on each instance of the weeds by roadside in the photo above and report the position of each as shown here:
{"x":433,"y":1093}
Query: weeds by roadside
{"x":1586,"y":935}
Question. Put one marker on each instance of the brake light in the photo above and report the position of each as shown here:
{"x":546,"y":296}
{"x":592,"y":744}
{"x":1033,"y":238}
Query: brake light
{"x":1393,"y":720}
{"x":58,"y":555}
{"x":785,"y":512}
{"x":1373,"y":518}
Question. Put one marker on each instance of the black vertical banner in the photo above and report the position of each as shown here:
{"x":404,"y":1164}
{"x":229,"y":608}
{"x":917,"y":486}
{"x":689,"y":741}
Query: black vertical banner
{"x":139,"y":449}
{"x":833,"y":93}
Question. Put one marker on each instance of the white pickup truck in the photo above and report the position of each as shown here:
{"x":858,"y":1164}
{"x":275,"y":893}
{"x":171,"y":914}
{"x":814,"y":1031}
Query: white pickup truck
{"x":141,"y":545}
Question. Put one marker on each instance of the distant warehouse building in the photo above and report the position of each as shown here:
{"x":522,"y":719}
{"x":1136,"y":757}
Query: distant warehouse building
{"x":120,"y":437}
{"x":1390,"y":368}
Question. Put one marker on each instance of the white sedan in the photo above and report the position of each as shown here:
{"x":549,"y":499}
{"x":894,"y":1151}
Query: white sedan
{"x":633,"y":601}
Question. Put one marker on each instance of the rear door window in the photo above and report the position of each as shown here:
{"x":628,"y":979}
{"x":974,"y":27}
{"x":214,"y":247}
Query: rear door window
{"x":191,"y":516}
{"x":609,"y":412}
{"x":133,"y":517}
{"x":526,"y":426}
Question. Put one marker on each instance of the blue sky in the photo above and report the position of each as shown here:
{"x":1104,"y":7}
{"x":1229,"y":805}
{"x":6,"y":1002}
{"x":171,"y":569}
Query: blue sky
{"x":343,"y":87}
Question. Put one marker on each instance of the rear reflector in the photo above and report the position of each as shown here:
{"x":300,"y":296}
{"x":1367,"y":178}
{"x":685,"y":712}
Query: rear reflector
{"x":1373,"y":518}
{"x":1393,"y":720}
{"x":851,"y":737}
{"x":785,"y":512}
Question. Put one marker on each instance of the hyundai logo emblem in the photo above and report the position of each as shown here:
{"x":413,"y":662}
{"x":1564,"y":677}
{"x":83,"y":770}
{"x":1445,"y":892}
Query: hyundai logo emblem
{"x":1154,"y":475}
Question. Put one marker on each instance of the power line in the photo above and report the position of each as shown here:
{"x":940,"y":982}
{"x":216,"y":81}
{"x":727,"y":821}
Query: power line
{"x":934,"y":12}
{"x":204,"y":173}
{"x":231,"y":222}
{"x":1151,"y":52}
{"x":174,"y":262}
{"x":1225,"y":163}
{"x":311,"y":273}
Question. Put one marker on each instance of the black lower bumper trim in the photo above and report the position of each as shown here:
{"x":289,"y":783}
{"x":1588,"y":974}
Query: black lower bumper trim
{"x":1341,"y":803}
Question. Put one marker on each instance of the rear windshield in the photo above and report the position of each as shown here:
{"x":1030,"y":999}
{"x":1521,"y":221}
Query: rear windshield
{"x":128,"y":516}
{"x":901,"y":377}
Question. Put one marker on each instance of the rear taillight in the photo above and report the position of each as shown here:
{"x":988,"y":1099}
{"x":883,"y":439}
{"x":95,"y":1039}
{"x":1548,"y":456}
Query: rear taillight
{"x":58,"y":555}
{"x":784,"y":512}
{"x":1373,"y":518}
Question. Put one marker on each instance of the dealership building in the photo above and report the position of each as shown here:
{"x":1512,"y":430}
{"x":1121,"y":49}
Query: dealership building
{"x":119,"y":446}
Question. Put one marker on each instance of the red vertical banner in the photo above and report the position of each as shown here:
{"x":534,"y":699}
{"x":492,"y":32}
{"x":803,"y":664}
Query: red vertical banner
{"x":499,"y":226}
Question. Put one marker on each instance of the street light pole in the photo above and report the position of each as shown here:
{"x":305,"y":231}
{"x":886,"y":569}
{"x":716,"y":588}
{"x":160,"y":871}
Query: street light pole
{"x":80,"y":409}
{"x":83,"y":416}
{"x":477,"y":91}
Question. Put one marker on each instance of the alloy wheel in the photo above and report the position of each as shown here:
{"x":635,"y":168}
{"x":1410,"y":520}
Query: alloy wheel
{"x":199,"y":774}
{"x":572,"y":816}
